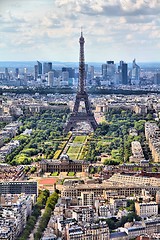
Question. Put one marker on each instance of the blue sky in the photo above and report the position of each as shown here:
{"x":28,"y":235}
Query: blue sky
{"x":49,"y":30}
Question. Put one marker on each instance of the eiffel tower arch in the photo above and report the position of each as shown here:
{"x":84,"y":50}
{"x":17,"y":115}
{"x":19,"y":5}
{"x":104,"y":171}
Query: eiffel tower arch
{"x":81,"y":96}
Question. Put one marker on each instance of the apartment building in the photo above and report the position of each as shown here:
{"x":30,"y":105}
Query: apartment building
{"x":87,"y":198}
{"x":83,"y":214}
{"x":121,"y":188}
{"x":90,"y":231}
{"x":152,"y":133}
{"x":18,"y":187}
{"x":146,"y":227}
{"x":146,"y":209}
{"x":137,"y":180}
{"x":137,"y":152}
{"x":14,"y":212}
{"x":8,"y":148}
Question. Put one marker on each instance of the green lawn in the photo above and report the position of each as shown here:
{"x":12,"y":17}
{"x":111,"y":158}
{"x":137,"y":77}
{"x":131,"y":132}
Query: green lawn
{"x":79,"y":139}
{"x":73,"y":152}
{"x":55,"y":174}
{"x":71,"y":174}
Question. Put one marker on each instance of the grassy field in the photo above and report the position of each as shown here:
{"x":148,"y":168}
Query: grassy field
{"x":71,"y":174}
{"x":55,"y":174}
{"x":74,"y":151}
{"x":79,"y":139}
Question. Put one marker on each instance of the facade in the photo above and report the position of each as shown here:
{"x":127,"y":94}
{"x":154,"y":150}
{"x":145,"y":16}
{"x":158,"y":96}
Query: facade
{"x":135,"y":73}
{"x":146,"y":209}
{"x":83,"y":214}
{"x":63,"y":165}
{"x":14,"y":212}
{"x":145,"y":228}
{"x":123,"y":73}
{"x":87,"y":198}
{"x":152,"y":133}
{"x":108,"y":70}
{"x":137,"y":152}
{"x":47,"y":67}
{"x":103,"y":189}
{"x":157,"y":78}
{"x":39,"y":69}
{"x":132,"y":179}
{"x":35,"y":72}
{"x":88,"y":232}
{"x":18,"y":187}
{"x":140,"y":109}
{"x":71,"y":71}
{"x":65,"y":78}
{"x":50,"y":78}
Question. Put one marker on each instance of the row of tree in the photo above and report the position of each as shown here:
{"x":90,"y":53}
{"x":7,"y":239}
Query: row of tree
{"x":41,"y":202}
{"x":50,"y":204}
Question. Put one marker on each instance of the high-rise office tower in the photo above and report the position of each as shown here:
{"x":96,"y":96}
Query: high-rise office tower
{"x":90,"y":76}
{"x":104,"y":71}
{"x":108,"y":70}
{"x":91,"y":71}
{"x":111,"y":69}
{"x":39,"y":68}
{"x":35,"y":72}
{"x":135,"y":73}
{"x":47,"y":66}
{"x":71,"y":71}
{"x":65,"y":78}
{"x":6,"y":73}
{"x":50,"y":78}
{"x":16,"y":72}
{"x":157,"y":78}
{"x":123,"y":73}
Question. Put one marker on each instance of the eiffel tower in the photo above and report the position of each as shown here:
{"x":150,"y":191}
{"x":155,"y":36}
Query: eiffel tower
{"x":81,"y":96}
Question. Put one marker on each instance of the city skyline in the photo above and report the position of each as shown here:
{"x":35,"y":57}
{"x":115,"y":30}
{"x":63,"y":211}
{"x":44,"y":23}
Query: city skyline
{"x":49,"y":30}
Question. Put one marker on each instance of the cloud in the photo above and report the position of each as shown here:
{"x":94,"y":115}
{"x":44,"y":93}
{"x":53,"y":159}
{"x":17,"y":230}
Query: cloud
{"x":111,"y":7}
{"x":110,"y":26}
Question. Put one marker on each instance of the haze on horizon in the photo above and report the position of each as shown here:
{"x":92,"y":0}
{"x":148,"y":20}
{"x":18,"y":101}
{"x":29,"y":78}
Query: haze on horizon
{"x":49,"y":30}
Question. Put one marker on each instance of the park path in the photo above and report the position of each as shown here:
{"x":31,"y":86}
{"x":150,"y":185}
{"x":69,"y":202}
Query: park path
{"x":67,"y":145}
{"x":31,"y":236}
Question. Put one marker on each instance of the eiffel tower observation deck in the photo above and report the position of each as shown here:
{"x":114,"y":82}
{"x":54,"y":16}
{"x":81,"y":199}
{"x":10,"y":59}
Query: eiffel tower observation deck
{"x":77,"y":117}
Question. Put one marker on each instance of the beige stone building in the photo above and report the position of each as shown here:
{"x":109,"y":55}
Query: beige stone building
{"x":152,"y":133}
{"x":146,"y":209}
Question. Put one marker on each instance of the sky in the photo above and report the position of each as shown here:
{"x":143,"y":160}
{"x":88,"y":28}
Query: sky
{"x":49,"y":30}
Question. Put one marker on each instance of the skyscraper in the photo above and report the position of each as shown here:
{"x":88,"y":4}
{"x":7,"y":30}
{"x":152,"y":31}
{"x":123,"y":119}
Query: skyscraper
{"x":70,"y":70}
{"x":108,"y":70}
{"x":47,"y":66}
{"x":135,"y":73}
{"x":50,"y":78}
{"x":16,"y":72}
{"x":123,"y":73}
{"x":6,"y":73}
{"x":35,"y":72}
{"x":39,"y":64}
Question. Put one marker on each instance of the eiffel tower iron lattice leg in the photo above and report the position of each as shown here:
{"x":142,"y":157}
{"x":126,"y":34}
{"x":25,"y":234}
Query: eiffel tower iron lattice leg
{"x":81,"y":96}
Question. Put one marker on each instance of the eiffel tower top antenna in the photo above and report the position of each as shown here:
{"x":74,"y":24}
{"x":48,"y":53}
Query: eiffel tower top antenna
{"x":81,"y":64}
{"x":81,"y":31}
